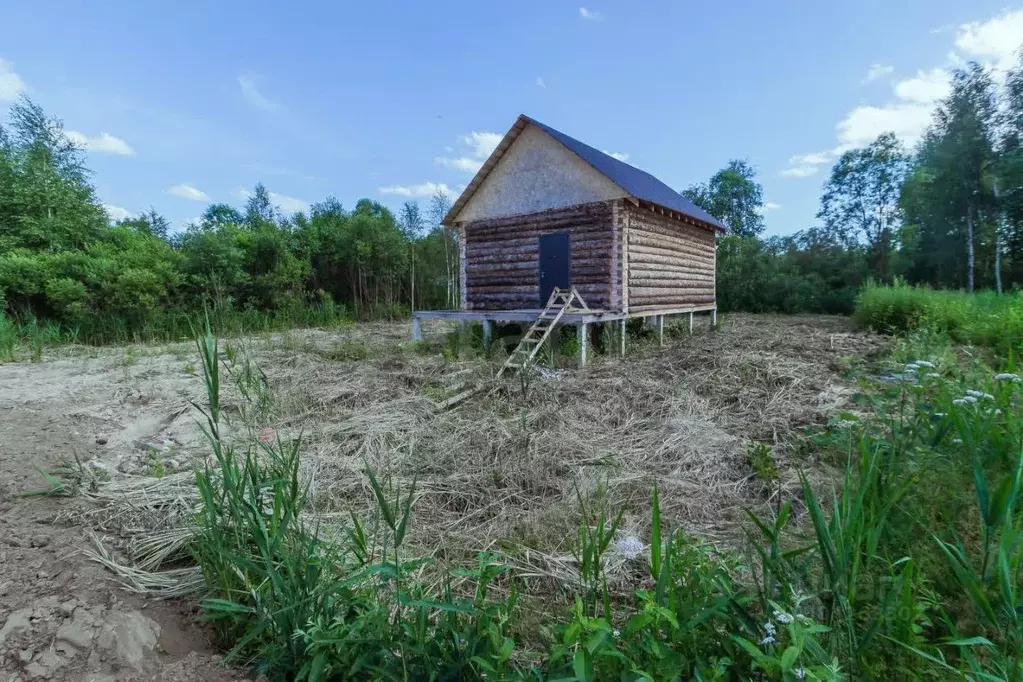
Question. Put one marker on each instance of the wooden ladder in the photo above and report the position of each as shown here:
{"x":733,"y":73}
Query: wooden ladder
{"x":558,"y":304}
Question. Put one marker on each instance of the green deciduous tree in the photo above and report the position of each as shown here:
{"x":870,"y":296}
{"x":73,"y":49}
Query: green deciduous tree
{"x":861,"y":198}
{"x":734,"y":197}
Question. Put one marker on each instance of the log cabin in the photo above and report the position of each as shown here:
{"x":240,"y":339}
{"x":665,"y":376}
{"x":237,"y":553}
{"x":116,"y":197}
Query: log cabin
{"x":547,"y":211}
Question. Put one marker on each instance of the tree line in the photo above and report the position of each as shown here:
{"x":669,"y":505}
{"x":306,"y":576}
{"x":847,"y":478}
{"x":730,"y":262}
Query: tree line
{"x":947,"y":213}
{"x":61,"y":258}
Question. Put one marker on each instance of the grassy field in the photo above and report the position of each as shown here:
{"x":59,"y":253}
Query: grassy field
{"x":754,"y":502}
{"x":984,"y":319}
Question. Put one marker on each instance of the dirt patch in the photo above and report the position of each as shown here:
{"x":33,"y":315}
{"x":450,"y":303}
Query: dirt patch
{"x":61,"y":618}
{"x":502,"y":471}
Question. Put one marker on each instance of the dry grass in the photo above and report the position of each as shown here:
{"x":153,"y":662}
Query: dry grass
{"x":503,"y":470}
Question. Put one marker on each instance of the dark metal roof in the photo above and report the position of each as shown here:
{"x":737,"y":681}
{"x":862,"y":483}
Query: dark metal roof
{"x":639,"y":184}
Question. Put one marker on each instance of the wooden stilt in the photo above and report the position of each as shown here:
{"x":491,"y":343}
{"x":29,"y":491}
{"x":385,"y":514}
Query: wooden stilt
{"x":660,"y":329}
{"x":714,"y":318}
{"x":488,"y":332}
{"x":690,"y":324}
{"x":621,"y":337}
{"x":417,"y":329}
{"x":583,"y":332}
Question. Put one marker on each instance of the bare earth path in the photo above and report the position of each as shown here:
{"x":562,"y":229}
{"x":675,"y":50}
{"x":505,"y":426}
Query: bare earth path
{"x":61,"y":616}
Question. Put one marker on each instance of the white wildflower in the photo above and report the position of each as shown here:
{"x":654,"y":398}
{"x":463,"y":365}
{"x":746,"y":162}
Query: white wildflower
{"x":616,"y":633}
{"x":939,"y":415}
{"x":1006,"y":376}
{"x":782,"y":617}
{"x":933,"y":375}
{"x":958,"y":401}
{"x":979,"y":394}
{"x":924,"y":363}
{"x":800,"y":673}
{"x":631,"y":547}
{"x":768,"y":640}
{"x":910,"y":369}
{"x":845,"y":423}
{"x":769,"y":628}
{"x":995,"y":411}
{"x":957,"y":441}
{"x":969,"y":398}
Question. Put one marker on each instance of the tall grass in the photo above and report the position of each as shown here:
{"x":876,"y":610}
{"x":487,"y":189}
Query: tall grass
{"x":295,"y":604}
{"x":27,"y":337}
{"x":985,"y":319}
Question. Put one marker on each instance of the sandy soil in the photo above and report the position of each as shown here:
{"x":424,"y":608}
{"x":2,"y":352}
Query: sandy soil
{"x":499,"y":467}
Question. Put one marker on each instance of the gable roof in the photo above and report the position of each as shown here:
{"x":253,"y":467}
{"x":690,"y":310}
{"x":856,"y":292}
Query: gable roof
{"x":639,"y":184}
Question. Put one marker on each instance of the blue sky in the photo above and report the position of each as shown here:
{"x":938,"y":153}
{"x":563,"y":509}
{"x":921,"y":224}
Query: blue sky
{"x":189,"y":102}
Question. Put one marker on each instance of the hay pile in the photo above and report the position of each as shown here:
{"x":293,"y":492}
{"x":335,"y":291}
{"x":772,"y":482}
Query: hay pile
{"x":503,"y":471}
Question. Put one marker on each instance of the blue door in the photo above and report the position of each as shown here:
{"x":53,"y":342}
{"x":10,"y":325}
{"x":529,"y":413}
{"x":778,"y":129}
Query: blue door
{"x":555,"y":264}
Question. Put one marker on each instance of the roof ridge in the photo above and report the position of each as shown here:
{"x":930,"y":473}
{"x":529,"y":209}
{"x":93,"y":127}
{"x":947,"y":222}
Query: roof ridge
{"x":636,"y":182}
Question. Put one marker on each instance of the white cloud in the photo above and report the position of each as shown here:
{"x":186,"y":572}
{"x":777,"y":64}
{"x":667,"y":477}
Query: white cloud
{"x":104,"y":143}
{"x":815,"y":159}
{"x":590,"y":15}
{"x":116,"y":212}
{"x":800,"y":171}
{"x":11,"y":84}
{"x":540,"y":82}
{"x":910,"y":108}
{"x":862,"y":125}
{"x":188,"y":192}
{"x":483,"y":144}
{"x":286,"y":204}
{"x":252,"y":95}
{"x":908,"y":115}
{"x":426,"y":189}
{"x":878,"y":71}
{"x":994,"y":41}
{"x":768,"y":207}
{"x":927,"y":87}
{"x":462,"y":163}
{"x":480,"y":146}
{"x":616,"y":155}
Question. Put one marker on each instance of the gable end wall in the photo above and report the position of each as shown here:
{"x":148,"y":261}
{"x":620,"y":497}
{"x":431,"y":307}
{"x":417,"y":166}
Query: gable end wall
{"x":537,"y":173}
{"x":501,"y":262}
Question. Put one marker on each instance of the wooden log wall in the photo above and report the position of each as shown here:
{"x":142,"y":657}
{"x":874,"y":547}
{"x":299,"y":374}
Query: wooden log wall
{"x":501,"y":257}
{"x":669,"y":263}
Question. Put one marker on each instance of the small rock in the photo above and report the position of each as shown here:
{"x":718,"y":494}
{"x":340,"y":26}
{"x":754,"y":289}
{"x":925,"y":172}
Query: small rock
{"x":172,"y":464}
{"x":26,"y":655}
{"x":40,"y":541}
{"x":16,"y":624}
{"x":101,"y":441}
{"x":68,"y":607}
{"x":130,"y":636}
{"x":45,"y":666}
{"x":75,"y":633}
{"x":5,"y":587}
{"x":42,"y":575}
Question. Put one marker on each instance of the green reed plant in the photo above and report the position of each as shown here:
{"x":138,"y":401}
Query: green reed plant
{"x":295,"y":605}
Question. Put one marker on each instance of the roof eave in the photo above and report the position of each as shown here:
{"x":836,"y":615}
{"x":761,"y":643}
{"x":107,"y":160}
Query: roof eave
{"x":495,"y":157}
{"x":681,"y":215}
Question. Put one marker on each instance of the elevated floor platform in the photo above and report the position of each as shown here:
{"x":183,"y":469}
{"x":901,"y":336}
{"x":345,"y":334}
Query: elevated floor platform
{"x":581,"y":318}
{"x":571,"y":317}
